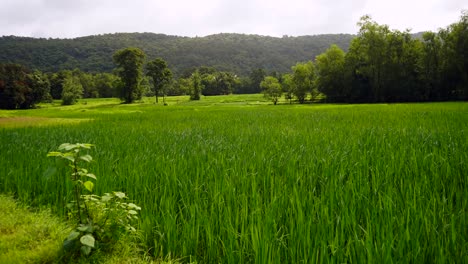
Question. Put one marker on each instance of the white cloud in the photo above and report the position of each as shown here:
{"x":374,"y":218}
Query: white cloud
{"x":61,"y":18}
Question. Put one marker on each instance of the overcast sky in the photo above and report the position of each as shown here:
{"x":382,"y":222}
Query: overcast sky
{"x":74,"y":18}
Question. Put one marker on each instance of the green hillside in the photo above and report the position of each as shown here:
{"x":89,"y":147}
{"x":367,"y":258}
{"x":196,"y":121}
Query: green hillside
{"x":228,"y":52}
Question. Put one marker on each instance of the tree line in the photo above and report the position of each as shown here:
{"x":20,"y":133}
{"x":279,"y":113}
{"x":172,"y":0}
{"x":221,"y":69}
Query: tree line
{"x":381,"y":65}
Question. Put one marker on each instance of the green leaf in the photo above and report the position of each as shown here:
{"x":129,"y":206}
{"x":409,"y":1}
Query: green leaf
{"x":87,"y":240}
{"x":106,"y":197}
{"x":67,"y":146}
{"x":54,"y":154}
{"x":90,"y":175}
{"x":82,"y":228}
{"x":73,"y":235}
{"x":70,"y":158}
{"x":133,"y":212}
{"x":85,"y":250}
{"x":86,"y":158}
{"x":89,"y":186}
{"x":120,"y":195}
{"x":134,"y":206}
{"x":85,"y":145}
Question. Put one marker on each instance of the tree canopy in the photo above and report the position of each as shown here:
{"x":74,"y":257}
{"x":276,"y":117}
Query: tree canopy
{"x":129,"y":63}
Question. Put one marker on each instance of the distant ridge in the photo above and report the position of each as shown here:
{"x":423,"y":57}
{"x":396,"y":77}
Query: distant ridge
{"x":238,"y":53}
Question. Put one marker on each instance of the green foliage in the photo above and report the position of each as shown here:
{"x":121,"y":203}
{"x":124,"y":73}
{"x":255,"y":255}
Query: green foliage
{"x":235,"y":53}
{"x":271,"y":89}
{"x":288,"y":86}
{"x":161,"y":76}
{"x":330,"y":69}
{"x":392,"y":66}
{"x":256,"y":77}
{"x":130,"y":65}
{"x":21,"y":89}
{"x":196,"y":86}
{"x":72,"y":90}
{"x":101,"y":220}
{"x":303,"y":80}
{"x":218,"y":83}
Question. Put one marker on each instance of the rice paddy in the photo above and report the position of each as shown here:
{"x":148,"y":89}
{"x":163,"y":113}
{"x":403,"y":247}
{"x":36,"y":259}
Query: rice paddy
{"x":236,"y":180}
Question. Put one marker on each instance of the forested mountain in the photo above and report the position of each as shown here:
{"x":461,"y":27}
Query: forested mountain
{"x":237,"y":53}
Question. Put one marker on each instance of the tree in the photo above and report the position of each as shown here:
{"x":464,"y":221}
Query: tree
{"x":21,"y":89}
{"x":41,"y":88}
{"x":56,"y":83}
{"x":256,"y":77}
{"x":288,"y":86}
{"x":160,"y":74}
{"x":431,"y":65}
{"x":130,"y":63}
{"x":330,"y":74}
{"x":455,"y":63}
{"x":303,"y":79}
{"x":196,"y":86}
{"x":218,"y":83}
{"x":72,"y":90}
{"x":271,"y":89}
{"x":105,"y":84}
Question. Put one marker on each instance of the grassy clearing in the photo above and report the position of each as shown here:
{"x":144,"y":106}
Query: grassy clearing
{"x":36,"y":237}
{"x":27,"y":237}
{"x":241,"y":182}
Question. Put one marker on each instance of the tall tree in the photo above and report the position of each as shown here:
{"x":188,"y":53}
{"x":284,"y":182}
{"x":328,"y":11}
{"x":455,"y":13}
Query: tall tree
{"x":72,"y":90}
{"x":455,"y":53}
{"x":19,"y":88}
{"x":196,"y":86}
{"x":271,"y":89}
{"x":330,"y":74}
{"x":256,"y":77}
{"x":288,"y":86}
{"x":130,"y":64}
{"x":431,"y":66}
{"x":160,"y":74}
{"x":372,"y":51}
{"x":303,"y":80}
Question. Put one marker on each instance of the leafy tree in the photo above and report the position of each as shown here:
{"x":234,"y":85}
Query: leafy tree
{"x":288,"y":86}
{"x":56,"y":83}
{"x":72,"y":90}
{"x":105,"y":84}
{"x":330,"y":68}
{"x":372,"y":49}
{"x":130,"y":63}
{"x":256,"y":77}
{"x":431,"y":66}
{"x":160,"y":74}
{"x":90,"y":89}
{"x":19,"y":88}
{"x":271,"y":89}
{"x":455,"y":54}
{"x":41,"y":88}
{"x":303,"y":80}
{"x":217,"y":83}
{"x":196,"y":86}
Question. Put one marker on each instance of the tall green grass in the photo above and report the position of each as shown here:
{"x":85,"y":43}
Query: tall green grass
{"x":246,"y":183}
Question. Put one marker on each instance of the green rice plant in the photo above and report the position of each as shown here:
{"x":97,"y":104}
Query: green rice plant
{"x":226,"y":179}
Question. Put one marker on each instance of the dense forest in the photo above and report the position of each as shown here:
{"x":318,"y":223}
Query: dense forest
{"x":236,"y":53}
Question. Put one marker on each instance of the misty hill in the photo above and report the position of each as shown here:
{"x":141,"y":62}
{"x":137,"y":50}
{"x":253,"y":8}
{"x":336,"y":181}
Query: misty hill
{"x":228,"y":52}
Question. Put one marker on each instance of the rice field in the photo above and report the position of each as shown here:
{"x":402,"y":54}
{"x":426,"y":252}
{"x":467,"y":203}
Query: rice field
{"x":233,"y":179}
